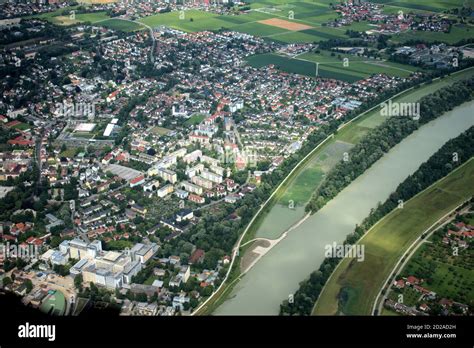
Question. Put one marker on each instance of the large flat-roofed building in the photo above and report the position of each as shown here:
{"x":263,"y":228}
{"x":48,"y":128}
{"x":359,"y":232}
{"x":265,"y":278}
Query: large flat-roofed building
{"x":78,"y":267}
{"x":103,"y":277}
{"x":141,"y":252}
{"x":212,"y":176}
{"x":79,"y":249}
{"x":191,"y":187}
{"x":167,"y":174}
{"x":200,"y":181}
{"x":111,"y":269}
{"x":193,"y":156}
{"x":195,"y":170}
{"x":165,"y":190}
{"x":84,"y":127}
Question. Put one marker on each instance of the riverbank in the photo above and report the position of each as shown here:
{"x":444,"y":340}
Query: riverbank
{"x":387,"y":241}
{"x":358,"y":126}
{"x":277,"y":275}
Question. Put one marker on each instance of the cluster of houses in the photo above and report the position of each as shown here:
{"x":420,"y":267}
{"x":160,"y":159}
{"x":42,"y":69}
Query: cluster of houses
{"x":15,"y":8}
{"x":460,"y":238}
{"x":426,"y":300}
{"x":354,"y":11}
{"x":435,"y":56}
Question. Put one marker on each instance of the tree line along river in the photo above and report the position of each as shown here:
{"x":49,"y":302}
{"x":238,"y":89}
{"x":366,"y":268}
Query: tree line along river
{"x":279,"y":272}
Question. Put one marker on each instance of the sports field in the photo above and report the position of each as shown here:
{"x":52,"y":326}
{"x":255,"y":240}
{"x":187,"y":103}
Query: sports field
{"x":386,"y":242}
{"x":55,"y":304}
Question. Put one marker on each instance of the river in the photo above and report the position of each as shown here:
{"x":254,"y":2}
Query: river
{"x":279,"y":272}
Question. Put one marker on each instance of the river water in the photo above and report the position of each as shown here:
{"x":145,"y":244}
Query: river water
{"x":279,"y":272}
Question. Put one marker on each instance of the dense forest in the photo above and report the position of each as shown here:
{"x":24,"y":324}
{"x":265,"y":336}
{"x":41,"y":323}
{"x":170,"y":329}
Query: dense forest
{"x":438,"y":166}
{"x":379,"y":141}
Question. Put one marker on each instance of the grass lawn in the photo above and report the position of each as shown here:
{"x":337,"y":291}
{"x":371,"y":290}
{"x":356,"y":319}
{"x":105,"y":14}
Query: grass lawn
{"x":84,"y":135}
{"x":304,"y":184}
{"x":56,"y":302}
{"x":195,"y":119}
{"x":150,"y":280}
{"x":117,"y":24}
{"x":407,"y":296}
{"x":160,"y":130}
{"x":386,"y":242}
{"x":81,"y":18}
{"x":22,"y":126}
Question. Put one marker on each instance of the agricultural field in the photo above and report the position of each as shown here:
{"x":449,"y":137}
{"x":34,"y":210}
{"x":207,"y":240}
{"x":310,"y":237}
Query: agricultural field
{"x":386,"y":242}
{"x":188,"y":21}
{"x":332,"y":66}
{"x":458,"y":32}
{"x":306,"y":20}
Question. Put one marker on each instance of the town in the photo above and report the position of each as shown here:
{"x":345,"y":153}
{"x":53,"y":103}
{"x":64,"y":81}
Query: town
{"x":133,"y":160}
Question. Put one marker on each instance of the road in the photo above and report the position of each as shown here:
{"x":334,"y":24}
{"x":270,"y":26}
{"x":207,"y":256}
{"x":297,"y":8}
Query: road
{"x":408,"y":255}
{"x":236,"y":248}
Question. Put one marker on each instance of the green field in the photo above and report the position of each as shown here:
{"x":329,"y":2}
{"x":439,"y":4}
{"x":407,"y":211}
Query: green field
{"x":373,"y":119}
{"x":55,"y":303}
{"x":410,"y":296}
{"x":386,"y":242}
{"x":447,"y":275}
{"x":312,"y":13}
{"x":62,"y":16}
{"x":160,"y":130}
{"x":332,"y":66}
{"x":277,"y":218}
{"x":303,"y":185}
{"x":297,"y":66}
{"x":194,"y":120}
{"x":117,"y":24}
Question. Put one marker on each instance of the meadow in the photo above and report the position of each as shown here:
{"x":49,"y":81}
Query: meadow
{"x":118,"y":24}
{"x":331,"y":66}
